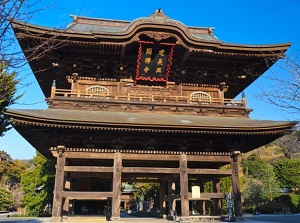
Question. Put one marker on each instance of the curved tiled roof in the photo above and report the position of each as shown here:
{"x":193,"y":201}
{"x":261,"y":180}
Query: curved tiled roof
{"x":101,"y":45}
{"x":146,"y":120}
{"x":47,"y":128}
{"x":96,"y":25}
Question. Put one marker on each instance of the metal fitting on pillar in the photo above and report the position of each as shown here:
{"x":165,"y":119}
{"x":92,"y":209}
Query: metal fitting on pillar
{"x":235,"y":155}
{"x":60,"y":150}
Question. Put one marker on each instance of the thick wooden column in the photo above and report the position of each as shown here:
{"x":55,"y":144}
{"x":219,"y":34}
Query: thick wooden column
{"x":202,"y":208}
{"x":66,"y":201}
{"x":162,"y":202}
{"x":117,"y":183}
{"x":217,"y":201}
{"x":171,"y":192}
{"x":236,"y":184}
{"x":184,"y":190}
{"x":59,"y":183}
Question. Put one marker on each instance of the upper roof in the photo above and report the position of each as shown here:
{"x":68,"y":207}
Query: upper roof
{"x":95,"y":25}
{"x":99,"y":47}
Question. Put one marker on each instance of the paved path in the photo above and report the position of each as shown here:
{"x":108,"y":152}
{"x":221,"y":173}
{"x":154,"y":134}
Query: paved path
{"x":248,"y":218}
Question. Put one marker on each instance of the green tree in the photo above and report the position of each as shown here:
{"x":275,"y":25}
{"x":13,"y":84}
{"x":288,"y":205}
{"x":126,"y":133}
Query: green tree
{"x":226,"y":182}
{"x":38,"y":184}
{"x":288,"y":173}
{"x":270,"y":187}
{"x":10,"y":177}
{"x":10,"y":170}
{"x":251,"y":191}
{"x":6,"y":163}
{"x":146,"y":191}
{"x":261,"y":183}
{"x":253,"y":165}
{"x":8,"y":87}
{"x":5,"y":199}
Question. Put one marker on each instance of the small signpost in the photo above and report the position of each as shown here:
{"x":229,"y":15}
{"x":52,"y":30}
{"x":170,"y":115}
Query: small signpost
{"x":229,"y":207}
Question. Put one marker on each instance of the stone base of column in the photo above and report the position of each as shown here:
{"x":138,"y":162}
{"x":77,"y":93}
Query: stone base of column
{"x":164,"y":216}
{"x":56,"y":219}
{"x":184,"y":219}
{"x":239,"y":219}
{"x":116,"y":219}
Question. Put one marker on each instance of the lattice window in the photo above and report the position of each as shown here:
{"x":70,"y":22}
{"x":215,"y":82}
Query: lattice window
{"x":200,"y":97}
{"x":97,"y":91}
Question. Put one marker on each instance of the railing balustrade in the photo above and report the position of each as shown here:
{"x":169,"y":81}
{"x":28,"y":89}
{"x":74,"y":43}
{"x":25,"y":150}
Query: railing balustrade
{"x":147,"y":98}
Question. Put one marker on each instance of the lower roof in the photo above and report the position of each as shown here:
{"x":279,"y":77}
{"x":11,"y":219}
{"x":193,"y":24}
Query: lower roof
{"x":135,"y":120}
{"x":42,"y":127}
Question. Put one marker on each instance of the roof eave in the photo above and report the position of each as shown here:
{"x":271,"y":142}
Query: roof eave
{"x":20,"y":27}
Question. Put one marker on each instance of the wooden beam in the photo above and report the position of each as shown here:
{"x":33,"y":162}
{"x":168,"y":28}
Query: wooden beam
{"x":145,"y":180}
{"x":149,"y":170}
{"x":210,"y":171}
{"x":90,"y":169}
{"x":209,"y":158}
{"x":83,"y":195}
{"x":158,"y":157}
{"x":212,"y":195}
{"x":88,"y":155}
{"x":143,"y":175}
{"x":203,"y":196}
{"x":85,"y":174}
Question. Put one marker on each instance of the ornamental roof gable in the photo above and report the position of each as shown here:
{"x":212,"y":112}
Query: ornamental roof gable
{"x":96,"y":25}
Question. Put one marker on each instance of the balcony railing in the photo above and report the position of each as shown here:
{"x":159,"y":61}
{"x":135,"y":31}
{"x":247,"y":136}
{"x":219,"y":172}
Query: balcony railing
{"x":148,"y":98}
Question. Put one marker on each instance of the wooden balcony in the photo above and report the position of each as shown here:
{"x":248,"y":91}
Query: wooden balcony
{"x":148,"y":98}
{"x":150,"y":102}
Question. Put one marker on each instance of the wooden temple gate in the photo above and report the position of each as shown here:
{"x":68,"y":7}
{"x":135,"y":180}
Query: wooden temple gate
{"x":170,"y":178}
{"x":145,"y":101}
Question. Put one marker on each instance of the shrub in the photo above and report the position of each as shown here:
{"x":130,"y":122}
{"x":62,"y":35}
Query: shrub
{"x":249,"y":209}
{"x":291,"y":200}
{"x":272,"y":207}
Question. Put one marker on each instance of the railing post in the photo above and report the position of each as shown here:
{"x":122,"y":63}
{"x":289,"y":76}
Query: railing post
{"x":53,"y":89}
{"x":244,"y":99}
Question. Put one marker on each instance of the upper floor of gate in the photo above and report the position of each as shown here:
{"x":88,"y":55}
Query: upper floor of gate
{"x":151,"y":64}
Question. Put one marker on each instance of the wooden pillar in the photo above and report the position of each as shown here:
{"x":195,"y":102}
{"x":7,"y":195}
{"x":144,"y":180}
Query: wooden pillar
{"x":217,"y":201}
{"x":162,"y":202}
{"x":59,"y":183}
{"x":116,"y":199}
{"x":184,"y":190}
{"x":171,"y":192}
{"x":236,"y":184}
{"x":66,"y":203}
{"x":202,"y":207}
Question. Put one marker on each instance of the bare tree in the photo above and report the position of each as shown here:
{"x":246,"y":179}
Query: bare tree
{"x":289,"y":144}
{"x":284,"y":79}
{"x":22,"y":11}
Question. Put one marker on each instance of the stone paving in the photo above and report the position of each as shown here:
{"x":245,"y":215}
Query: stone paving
{"x":247,"y":218}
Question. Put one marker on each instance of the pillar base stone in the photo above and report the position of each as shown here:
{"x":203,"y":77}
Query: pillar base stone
{"x":56,"y":219}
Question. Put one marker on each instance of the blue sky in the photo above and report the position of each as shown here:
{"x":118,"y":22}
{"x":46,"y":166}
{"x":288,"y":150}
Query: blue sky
{"x":235,"y":21}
